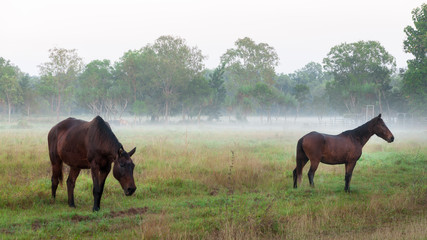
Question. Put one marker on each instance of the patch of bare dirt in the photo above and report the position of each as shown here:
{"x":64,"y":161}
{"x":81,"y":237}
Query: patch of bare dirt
{"x":78,"y":218}
{"x":37,"y":224}
{"x":214,"y":192}
{"x":6,"y":231}
{"x":129,"y":212}
{"x":124,"y":213}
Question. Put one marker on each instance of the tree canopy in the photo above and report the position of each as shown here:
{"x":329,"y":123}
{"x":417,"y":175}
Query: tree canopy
{"x":9,"y":85}
{"x":415,"y":78}
{"x":175,"y":65}
{"x":60,"y":73}
{"x":361,"y":72}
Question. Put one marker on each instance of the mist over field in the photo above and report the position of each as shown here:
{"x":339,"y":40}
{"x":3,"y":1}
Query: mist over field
{"x":226,"y":180}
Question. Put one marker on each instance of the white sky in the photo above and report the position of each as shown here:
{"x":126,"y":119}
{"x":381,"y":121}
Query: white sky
{"x":301,"y":31}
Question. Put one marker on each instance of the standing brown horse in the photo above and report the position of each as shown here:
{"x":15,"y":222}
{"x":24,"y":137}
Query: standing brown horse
{"x":84,"y":145}
{"x":337,"y":149}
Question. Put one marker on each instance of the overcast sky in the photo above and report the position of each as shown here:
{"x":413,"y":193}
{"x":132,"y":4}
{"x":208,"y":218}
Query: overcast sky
{"x":301,"y":31}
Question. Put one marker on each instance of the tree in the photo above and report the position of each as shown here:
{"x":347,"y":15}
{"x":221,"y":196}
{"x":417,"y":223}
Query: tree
{"x":396,"y":97}
{"x":195,"y":97}
{"x":285,"y":101}
{"x":149,"y":100}
{"x":131,"y":69}
{"x":93,"y":86}
{"x":246,"y":65}
{"x":136,"y":72}
{"x":415,"y":78}
{"x":29,"y":92}
{"x":46,"y":89}
{"x":218,"y":92}
{"x":311,"y":75}
{"x":117,"y":100}
{"x":62,"y":70}
{"x":308,"y":86}
{"x":175,"y":64}
{"x":284,"y":83}
{"x":302,"y":95}
{"x":250,"y":63}
{"x":10,"y":90}
{"x":243,"y":102}
{"x":265,"y":96}
{"x":361,"y":74}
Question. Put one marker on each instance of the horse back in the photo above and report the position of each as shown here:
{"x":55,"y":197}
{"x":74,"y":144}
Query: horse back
{"x":313,"y":143}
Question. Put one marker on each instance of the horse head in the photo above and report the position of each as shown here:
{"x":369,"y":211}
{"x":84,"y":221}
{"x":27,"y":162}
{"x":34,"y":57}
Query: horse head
{"x":123,"y":171}
{"x":381,"y":130}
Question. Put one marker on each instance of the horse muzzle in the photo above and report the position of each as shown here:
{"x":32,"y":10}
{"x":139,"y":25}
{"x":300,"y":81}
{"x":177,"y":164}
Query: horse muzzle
{"x":130,"y":191}
{"x":391,"y":139}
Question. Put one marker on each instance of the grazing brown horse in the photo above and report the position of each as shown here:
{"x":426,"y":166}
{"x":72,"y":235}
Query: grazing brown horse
{"x":337,"y":149}
{"x":84,"y":145}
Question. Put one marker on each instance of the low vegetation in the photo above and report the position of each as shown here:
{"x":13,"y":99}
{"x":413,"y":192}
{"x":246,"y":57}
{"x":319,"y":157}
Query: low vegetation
{"x":210,"y":183}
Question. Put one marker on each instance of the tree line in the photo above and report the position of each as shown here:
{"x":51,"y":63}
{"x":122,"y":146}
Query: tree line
{"x":168,"y":78}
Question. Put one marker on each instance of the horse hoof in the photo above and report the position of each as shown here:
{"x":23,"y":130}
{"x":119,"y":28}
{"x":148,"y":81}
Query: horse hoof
{"x":95,"y":209}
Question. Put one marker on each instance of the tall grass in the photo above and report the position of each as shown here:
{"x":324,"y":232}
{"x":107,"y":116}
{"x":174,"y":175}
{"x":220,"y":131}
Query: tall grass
{"x":217,"y":184}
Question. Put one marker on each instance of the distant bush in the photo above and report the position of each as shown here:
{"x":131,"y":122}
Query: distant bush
{"x":23,"y":123}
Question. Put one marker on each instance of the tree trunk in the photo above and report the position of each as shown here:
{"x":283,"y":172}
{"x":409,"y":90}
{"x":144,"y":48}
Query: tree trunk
{"x":51,"y":104}
{"x":353,"y":103}
{"x":124,"y":108}
{"x":296,"y":116}
{"x":379,"y":101}
{"x":134,"y":89}
{"x":167,"y":111}
{"x":198,"y":115}
{"x":10,"y":109}
{"x":9,"y":105}
{"x":183,"y":113}
{"x":388,"y":106}
{"x":58,"y":106}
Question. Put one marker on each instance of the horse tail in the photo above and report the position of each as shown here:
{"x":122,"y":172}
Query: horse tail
{"x":301,"y":160}
{"x":60,"y":173}
{"x":55,"y":160}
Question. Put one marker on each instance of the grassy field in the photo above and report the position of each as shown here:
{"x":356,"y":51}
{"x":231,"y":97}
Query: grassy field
{"x":217,"y":183}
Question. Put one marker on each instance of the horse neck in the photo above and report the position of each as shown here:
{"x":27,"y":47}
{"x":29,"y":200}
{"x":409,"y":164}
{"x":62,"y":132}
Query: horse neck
{"x":104,"y":134}
{"x":363,"y":133}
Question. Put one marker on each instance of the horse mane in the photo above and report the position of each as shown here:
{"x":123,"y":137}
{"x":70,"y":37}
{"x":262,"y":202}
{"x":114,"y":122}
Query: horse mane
{"x":362,"y":131}
{"x":101,"y":135}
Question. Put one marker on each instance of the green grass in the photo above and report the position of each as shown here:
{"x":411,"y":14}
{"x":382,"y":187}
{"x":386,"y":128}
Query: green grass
{"x":190,"y":185}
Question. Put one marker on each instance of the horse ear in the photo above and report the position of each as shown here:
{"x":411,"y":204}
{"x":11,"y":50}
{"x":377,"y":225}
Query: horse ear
{"x":132,"y":152}
{"x":379,"y":116}
{"x":120,"y":151}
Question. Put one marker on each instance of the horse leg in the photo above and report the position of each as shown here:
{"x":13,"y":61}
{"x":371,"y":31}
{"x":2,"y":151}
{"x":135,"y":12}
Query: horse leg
{"x":98,"y":177}
{"x":313,"y":168}
{"x":71,"y":183}
{"x":295,"y":176}
{"x":102,"y":176}
{"x":96,"y":188}
{"x":348,"y":173}
{"x":56,"y":175}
